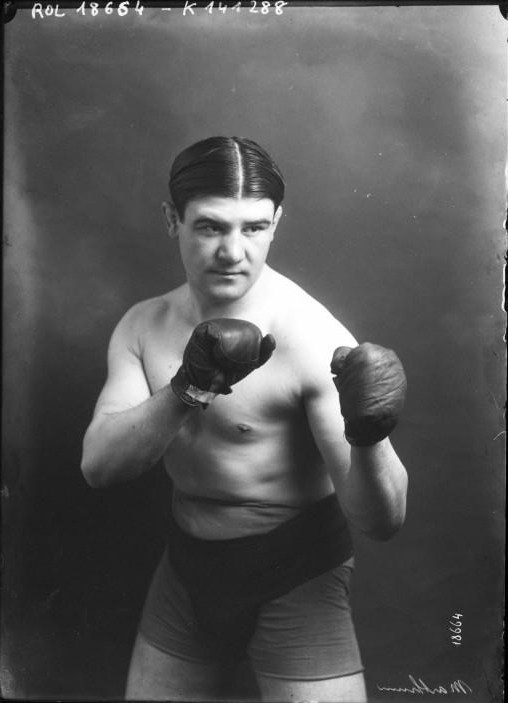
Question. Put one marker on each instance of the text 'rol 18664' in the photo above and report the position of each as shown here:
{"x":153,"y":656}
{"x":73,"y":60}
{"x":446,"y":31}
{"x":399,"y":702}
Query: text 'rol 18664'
{"x":40,"y":10}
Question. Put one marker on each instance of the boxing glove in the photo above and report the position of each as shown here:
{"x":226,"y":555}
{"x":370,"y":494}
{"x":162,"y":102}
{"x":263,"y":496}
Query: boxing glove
{"x":219,"y":354}
{"x":372,"y":386}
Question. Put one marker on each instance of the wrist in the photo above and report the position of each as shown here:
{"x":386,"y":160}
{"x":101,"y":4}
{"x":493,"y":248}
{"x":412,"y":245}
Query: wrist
{"x":188,"y":393}
{"x":367,"y":449}
{"x":370,"y":456}
{"x":366,"y":431}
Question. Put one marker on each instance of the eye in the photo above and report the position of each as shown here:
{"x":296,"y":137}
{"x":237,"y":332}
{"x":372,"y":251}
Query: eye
{"x":209,"y":229}
{"x":253,"y":229}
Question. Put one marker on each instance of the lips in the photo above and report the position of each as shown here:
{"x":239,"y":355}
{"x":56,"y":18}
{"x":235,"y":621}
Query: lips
{"x":227,"y":273}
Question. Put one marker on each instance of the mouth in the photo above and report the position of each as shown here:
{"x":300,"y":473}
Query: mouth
{"x":227,"y":274}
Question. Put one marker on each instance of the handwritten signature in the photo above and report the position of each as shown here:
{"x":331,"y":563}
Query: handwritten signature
{"x":419,"y":687}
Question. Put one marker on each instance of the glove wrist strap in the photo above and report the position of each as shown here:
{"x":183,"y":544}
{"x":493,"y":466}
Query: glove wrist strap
{"x":189,"y":394}
{"x":365,"y":436}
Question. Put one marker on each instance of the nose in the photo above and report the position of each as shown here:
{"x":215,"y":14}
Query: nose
{"x":231,"y":249}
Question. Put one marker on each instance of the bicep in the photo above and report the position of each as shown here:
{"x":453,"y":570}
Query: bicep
{"x":322,"y":399}
{"x":126,"y":384}
{"x":327,"y":426}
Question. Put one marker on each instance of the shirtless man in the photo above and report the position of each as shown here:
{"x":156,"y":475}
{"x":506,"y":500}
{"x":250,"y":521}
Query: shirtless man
{"x":248,"y":420}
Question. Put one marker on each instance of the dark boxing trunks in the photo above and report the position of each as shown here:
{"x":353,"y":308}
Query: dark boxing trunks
{"x":228,"y":580}
{"x":305,"y":634}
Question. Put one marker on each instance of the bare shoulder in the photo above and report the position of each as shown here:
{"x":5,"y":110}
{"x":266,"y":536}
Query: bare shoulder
{"x":140,"y":320}
{"x":306,"y":332}
{"x":300,"y":318}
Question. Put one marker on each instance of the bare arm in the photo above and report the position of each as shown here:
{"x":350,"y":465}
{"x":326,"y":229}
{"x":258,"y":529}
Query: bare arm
{"x":131,"y":429}
{"x":376,"y":490}
{"x":371,"y":482}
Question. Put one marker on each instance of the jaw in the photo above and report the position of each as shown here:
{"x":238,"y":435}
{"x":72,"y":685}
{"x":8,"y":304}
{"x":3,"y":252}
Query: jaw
{"x":225,"y":292}
{"x":225,"y":298}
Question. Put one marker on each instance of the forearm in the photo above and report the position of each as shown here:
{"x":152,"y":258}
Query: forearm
{"x":121,"y":446}
{"x":375,"y":490}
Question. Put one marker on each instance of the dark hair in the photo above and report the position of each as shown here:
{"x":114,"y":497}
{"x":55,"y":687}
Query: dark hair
{"x":230,"y":167}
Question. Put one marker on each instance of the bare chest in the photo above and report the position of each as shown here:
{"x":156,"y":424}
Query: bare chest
{"x":262,"y":401}
{"x":254,"y":444}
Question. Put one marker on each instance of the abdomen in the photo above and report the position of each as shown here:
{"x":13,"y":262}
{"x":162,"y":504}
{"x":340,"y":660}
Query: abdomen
{"x":236,"y":458}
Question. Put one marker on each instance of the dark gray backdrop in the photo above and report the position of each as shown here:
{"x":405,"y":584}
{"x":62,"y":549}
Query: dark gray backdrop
{"x":388,"y":124}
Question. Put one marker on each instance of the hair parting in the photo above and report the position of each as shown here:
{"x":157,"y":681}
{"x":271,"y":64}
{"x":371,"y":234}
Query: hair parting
{"x":233,"y":167}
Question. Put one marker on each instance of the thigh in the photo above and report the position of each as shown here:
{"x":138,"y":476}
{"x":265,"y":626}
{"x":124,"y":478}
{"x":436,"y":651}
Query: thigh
{"x":157,"y":675}
{"x":343,"y":689}
{"x":171,"y":659}
{"x":308,"y":635}
{"x":168,"y":620}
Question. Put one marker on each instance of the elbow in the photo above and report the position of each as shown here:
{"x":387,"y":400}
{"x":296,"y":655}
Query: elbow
{"x":92,"y":474}
{"x":385,"y":530}
{"x":380,"y":526}
{"x":93,"y":470}
{"x":97,"y":464}
{"x":89,"y":465}
{"x":102,"y":470}
{"x":383,"y":533}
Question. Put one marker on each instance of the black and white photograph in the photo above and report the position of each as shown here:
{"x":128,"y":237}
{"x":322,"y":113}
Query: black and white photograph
{"x":253,"y":351}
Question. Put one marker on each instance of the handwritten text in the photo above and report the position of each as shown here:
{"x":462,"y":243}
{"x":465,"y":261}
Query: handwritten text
{"x":456,"y":629}
{"x":420,"y":687}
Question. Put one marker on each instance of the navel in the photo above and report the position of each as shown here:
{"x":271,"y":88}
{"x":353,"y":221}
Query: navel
{"x":243,"y":428}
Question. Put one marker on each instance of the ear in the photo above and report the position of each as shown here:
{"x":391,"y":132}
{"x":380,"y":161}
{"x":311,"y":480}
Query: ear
{"x":171,"y":218}
{"x":277,"y":217}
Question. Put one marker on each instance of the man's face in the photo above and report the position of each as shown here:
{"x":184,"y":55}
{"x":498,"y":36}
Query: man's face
{"x":224,"y":243}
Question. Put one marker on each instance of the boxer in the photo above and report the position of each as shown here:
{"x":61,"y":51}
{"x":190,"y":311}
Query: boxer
{"x":271,"y":457}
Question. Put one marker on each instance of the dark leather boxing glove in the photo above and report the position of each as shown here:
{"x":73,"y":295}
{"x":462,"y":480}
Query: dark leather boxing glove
{"x":372,"y":387}
{"x":219,"y":354}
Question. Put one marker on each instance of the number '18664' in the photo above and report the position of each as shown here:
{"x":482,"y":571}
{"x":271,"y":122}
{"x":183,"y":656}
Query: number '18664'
{"x":455,"y":628}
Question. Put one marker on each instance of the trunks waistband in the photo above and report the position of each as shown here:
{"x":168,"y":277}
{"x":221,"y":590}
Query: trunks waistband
{"x":314,"y":522}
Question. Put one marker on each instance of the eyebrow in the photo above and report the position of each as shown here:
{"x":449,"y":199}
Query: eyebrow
{"x":206,"y":220}
{"x":217,"y":221}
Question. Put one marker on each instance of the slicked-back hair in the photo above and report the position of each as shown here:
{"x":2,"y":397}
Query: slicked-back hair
{"x":230,"y":167}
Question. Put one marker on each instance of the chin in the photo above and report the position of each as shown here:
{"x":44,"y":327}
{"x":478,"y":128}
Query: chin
{"x":225,"y":296}
{"x":225,"y":292}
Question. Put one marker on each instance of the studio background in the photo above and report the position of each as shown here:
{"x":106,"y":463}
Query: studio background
{"x":388,"y":124}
